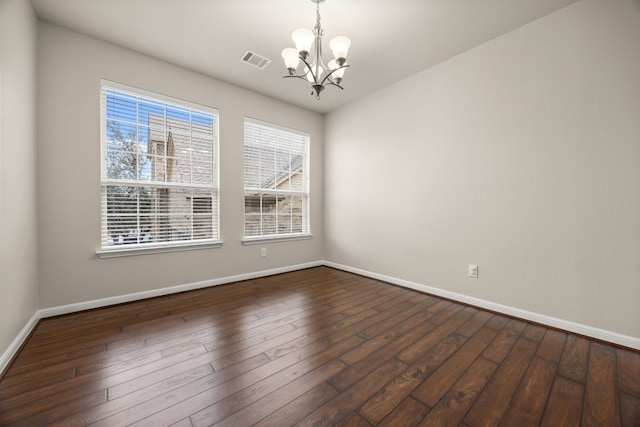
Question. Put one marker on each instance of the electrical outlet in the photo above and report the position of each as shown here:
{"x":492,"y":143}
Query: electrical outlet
{"x":473,"y":271}
{"x":263,"y":252}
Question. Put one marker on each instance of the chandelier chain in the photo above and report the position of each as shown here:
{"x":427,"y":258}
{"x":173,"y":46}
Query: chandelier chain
{"x":318,"y":29}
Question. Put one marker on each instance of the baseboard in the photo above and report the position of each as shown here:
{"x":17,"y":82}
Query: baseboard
{"x":599,"y":334}
{"x":104,"y":302}
{"x":14,"y":347}
{"x":588,"y":331}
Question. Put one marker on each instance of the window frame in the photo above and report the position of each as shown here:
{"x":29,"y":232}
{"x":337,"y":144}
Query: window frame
{"x":304,"y":193}
{"x":213,"y":188}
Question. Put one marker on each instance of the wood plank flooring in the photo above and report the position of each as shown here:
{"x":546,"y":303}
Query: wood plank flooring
{"x":310,"y":348}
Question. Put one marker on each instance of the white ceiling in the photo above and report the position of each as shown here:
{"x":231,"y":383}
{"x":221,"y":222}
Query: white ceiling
{"x":391,"y":39}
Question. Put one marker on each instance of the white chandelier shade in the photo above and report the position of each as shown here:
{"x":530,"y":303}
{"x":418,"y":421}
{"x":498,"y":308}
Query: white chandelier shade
{"x":340,"y":46}
{"x":308,"y":50}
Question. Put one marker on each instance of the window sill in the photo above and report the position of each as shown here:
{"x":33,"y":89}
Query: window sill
{"x":121,"y":252}
{"x":270,"y":239}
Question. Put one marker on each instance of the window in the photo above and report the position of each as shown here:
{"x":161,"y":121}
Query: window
{"x":276,"y":181}
{"x":159,"y":172}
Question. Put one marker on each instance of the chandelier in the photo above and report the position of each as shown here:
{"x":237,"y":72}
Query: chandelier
{"x":313,"y":68}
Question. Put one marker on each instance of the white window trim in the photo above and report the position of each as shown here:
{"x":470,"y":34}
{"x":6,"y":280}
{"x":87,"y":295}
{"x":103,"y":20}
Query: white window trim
{"x":306,"y":234}
{"x":120,"y":252}
{"x":275,"y":238}
{"x":131,"y":250}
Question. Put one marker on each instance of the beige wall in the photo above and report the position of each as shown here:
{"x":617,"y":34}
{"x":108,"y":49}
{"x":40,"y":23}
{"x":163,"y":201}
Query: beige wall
{"x":18,"y":225}
{"x":70,"y":68}
{"x":521,"y":155}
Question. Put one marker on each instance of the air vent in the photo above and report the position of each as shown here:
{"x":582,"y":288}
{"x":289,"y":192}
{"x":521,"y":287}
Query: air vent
{"x":255,"y":60}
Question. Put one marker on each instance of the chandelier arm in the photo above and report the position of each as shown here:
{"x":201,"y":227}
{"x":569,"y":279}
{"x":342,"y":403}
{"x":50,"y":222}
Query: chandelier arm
{"x":303,"y":76}
{"x":310,"y":68}
{"x":330,"y":73}
{"x":334,"y":84}
{"x":296,"y":77}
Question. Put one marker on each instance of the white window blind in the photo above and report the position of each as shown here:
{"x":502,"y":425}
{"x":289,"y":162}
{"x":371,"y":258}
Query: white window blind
{"x":159,"y":170}
{"x":276,"y":180}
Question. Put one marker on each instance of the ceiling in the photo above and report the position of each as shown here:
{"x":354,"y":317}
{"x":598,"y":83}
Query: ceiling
{"x":391,"y":39}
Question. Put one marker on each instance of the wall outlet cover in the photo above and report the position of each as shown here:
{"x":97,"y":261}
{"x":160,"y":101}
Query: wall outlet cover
{"x":473,"y":271}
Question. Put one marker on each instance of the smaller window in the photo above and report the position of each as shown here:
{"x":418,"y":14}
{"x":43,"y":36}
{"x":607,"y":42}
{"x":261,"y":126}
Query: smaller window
{"x":276,"y":181}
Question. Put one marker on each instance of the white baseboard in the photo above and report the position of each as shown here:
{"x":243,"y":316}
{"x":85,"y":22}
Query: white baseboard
{"x":599,"y":334}
{"x":10,"y":352}
{"x":88,"y":305}
{"x":14,"y":347}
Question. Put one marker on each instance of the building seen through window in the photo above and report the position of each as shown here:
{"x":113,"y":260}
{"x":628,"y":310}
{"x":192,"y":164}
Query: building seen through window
{"x":159,"y":175}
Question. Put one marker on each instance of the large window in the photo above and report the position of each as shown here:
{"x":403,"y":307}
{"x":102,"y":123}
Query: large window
{"x":159,"y":171}
{"x":276,"y":181}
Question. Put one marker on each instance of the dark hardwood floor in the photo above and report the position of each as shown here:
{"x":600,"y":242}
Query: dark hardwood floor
{"x":313,"y":347}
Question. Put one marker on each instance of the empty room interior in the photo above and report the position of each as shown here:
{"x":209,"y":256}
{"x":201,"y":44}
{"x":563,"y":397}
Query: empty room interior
{"x":434,"y":220}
